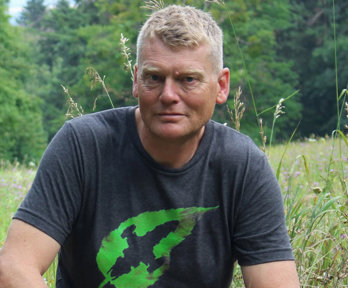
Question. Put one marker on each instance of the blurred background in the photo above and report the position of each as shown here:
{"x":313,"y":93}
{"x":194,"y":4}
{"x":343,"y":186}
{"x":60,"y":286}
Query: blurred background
{"x":284,"y":49}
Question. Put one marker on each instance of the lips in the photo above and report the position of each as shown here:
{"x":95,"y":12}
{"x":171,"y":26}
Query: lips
{"x":170,"y":116}
{"x":170,"y":113}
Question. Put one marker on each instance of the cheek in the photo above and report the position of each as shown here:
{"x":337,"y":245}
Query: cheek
{"x":142,"y":102}
{"x":146,"y":103}
{"x":205,"y":106}
{"x":203,"y":100}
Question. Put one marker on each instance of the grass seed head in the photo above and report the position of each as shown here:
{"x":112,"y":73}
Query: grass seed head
{"x":74,"y":109}
{"x":125,"y":51}
{"x":279,"y":109}
{"x":239,"y":110}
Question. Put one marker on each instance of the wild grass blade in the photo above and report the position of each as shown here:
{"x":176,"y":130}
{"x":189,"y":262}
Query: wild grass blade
{"x":95,"y":78}
{"x":286,"y":148}
{"x":274,"y":106}
{"x":308,"y":174}
{"x":245,"y":68}
{"x":344,"y":138}
{"x":335,"y":57}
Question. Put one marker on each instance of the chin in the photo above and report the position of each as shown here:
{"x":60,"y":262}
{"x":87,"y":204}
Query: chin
{"x":171,"y":135}
{"x":176,"y":134}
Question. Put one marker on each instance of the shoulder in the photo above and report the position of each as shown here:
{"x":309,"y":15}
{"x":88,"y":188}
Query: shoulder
{"x":99,"y":125}
{"x":99,"y":130}
{"x":101,"y":120}
{"x":234,"y":144}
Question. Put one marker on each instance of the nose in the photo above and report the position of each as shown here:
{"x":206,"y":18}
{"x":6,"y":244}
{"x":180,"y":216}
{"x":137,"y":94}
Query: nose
{"x":169,"y":93}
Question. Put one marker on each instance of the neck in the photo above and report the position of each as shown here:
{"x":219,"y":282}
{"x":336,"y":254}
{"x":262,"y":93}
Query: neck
{"x":173,"y":153}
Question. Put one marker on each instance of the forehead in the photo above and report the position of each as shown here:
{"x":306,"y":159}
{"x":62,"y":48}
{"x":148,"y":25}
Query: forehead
{"x":156,"y":55}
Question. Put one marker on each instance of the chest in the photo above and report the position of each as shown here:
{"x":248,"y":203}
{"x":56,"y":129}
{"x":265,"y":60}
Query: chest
{"x":156,"y":228}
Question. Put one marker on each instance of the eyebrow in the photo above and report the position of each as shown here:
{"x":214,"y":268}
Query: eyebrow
{"x":152,"y":69}
{"x":149,"y":69}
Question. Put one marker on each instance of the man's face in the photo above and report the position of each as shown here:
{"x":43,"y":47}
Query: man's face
{"x":177,"y":90}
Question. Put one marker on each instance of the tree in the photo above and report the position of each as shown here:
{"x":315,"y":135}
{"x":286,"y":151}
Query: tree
{"x":250,"y":45}
{"x":33,"y":14}
{"x":256,"y":23}
{"x":71,"y":39}
{"x":309,"y":41}
{"x":22,"y":135}
{"x":56,"y":50}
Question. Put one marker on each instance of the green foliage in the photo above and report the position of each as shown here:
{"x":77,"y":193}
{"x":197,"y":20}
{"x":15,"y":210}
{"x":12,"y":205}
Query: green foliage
{"x":71,"y":39}
{"x":33,"y":13}
{"x":313,"y":179}
{"x":22,"y":135}
{"x":273,"y":48}
{"x":310,"y":42}
{"x":56,"y":51}
{"x":251,"y":53}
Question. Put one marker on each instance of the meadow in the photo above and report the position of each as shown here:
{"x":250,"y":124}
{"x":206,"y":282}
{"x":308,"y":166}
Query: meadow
{"x":313,"y":176}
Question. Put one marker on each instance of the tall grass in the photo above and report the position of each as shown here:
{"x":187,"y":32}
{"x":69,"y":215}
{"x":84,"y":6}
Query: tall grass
{"x":315,"y":202}
{"x":312,"y":174}
{"x":15,"y":181}
{"x":313,"y":177}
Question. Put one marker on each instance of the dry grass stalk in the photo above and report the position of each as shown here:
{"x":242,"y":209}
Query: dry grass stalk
{"x":125,"y":51}
{"x":239,"y":110}
{"x":277,"y":113}
{"x":263,"y":137}
{"x":74,"y":110}
{"x":97,"y":79}
{"x":215,"y":1}
{"x":279,"y":109}
{"x":154,"y":5}
{"x":346,"y":108}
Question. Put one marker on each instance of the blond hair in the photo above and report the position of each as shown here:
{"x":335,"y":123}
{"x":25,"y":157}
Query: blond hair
{"x":183,"y":26}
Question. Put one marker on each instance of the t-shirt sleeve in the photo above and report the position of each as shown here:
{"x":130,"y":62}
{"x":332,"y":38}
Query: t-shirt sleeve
{"x":260,"y":234}
{"x":52,"y":203}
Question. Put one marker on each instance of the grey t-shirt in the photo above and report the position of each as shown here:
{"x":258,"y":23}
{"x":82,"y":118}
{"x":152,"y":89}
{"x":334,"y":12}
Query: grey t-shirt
{"x":123,"y":220}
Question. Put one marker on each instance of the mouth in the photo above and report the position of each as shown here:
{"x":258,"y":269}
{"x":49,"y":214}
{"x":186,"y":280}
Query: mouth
{"x":171,"y":116}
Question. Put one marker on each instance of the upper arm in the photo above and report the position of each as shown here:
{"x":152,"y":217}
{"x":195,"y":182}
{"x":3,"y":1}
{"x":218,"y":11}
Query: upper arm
{"x":271,"y":275}
{"x":28,"y":248}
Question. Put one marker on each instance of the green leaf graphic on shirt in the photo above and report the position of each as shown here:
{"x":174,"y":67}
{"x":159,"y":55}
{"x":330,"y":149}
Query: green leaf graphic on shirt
{"x":114,"y":245}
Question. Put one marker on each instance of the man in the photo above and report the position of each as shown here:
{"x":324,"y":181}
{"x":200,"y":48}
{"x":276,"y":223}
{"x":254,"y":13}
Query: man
{"x":156,"y":195}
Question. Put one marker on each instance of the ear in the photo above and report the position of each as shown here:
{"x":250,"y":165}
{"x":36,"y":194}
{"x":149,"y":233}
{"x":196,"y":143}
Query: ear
{"x":135,"y":82}
{"x":223,"y":86}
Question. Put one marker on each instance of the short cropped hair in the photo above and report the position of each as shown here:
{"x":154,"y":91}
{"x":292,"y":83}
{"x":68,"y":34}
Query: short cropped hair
{"x":183,"y":26}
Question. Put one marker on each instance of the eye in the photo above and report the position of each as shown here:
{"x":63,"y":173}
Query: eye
{"x":152,"y":79}
{"x":189,"y":79}
{"x":155,"y":78}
